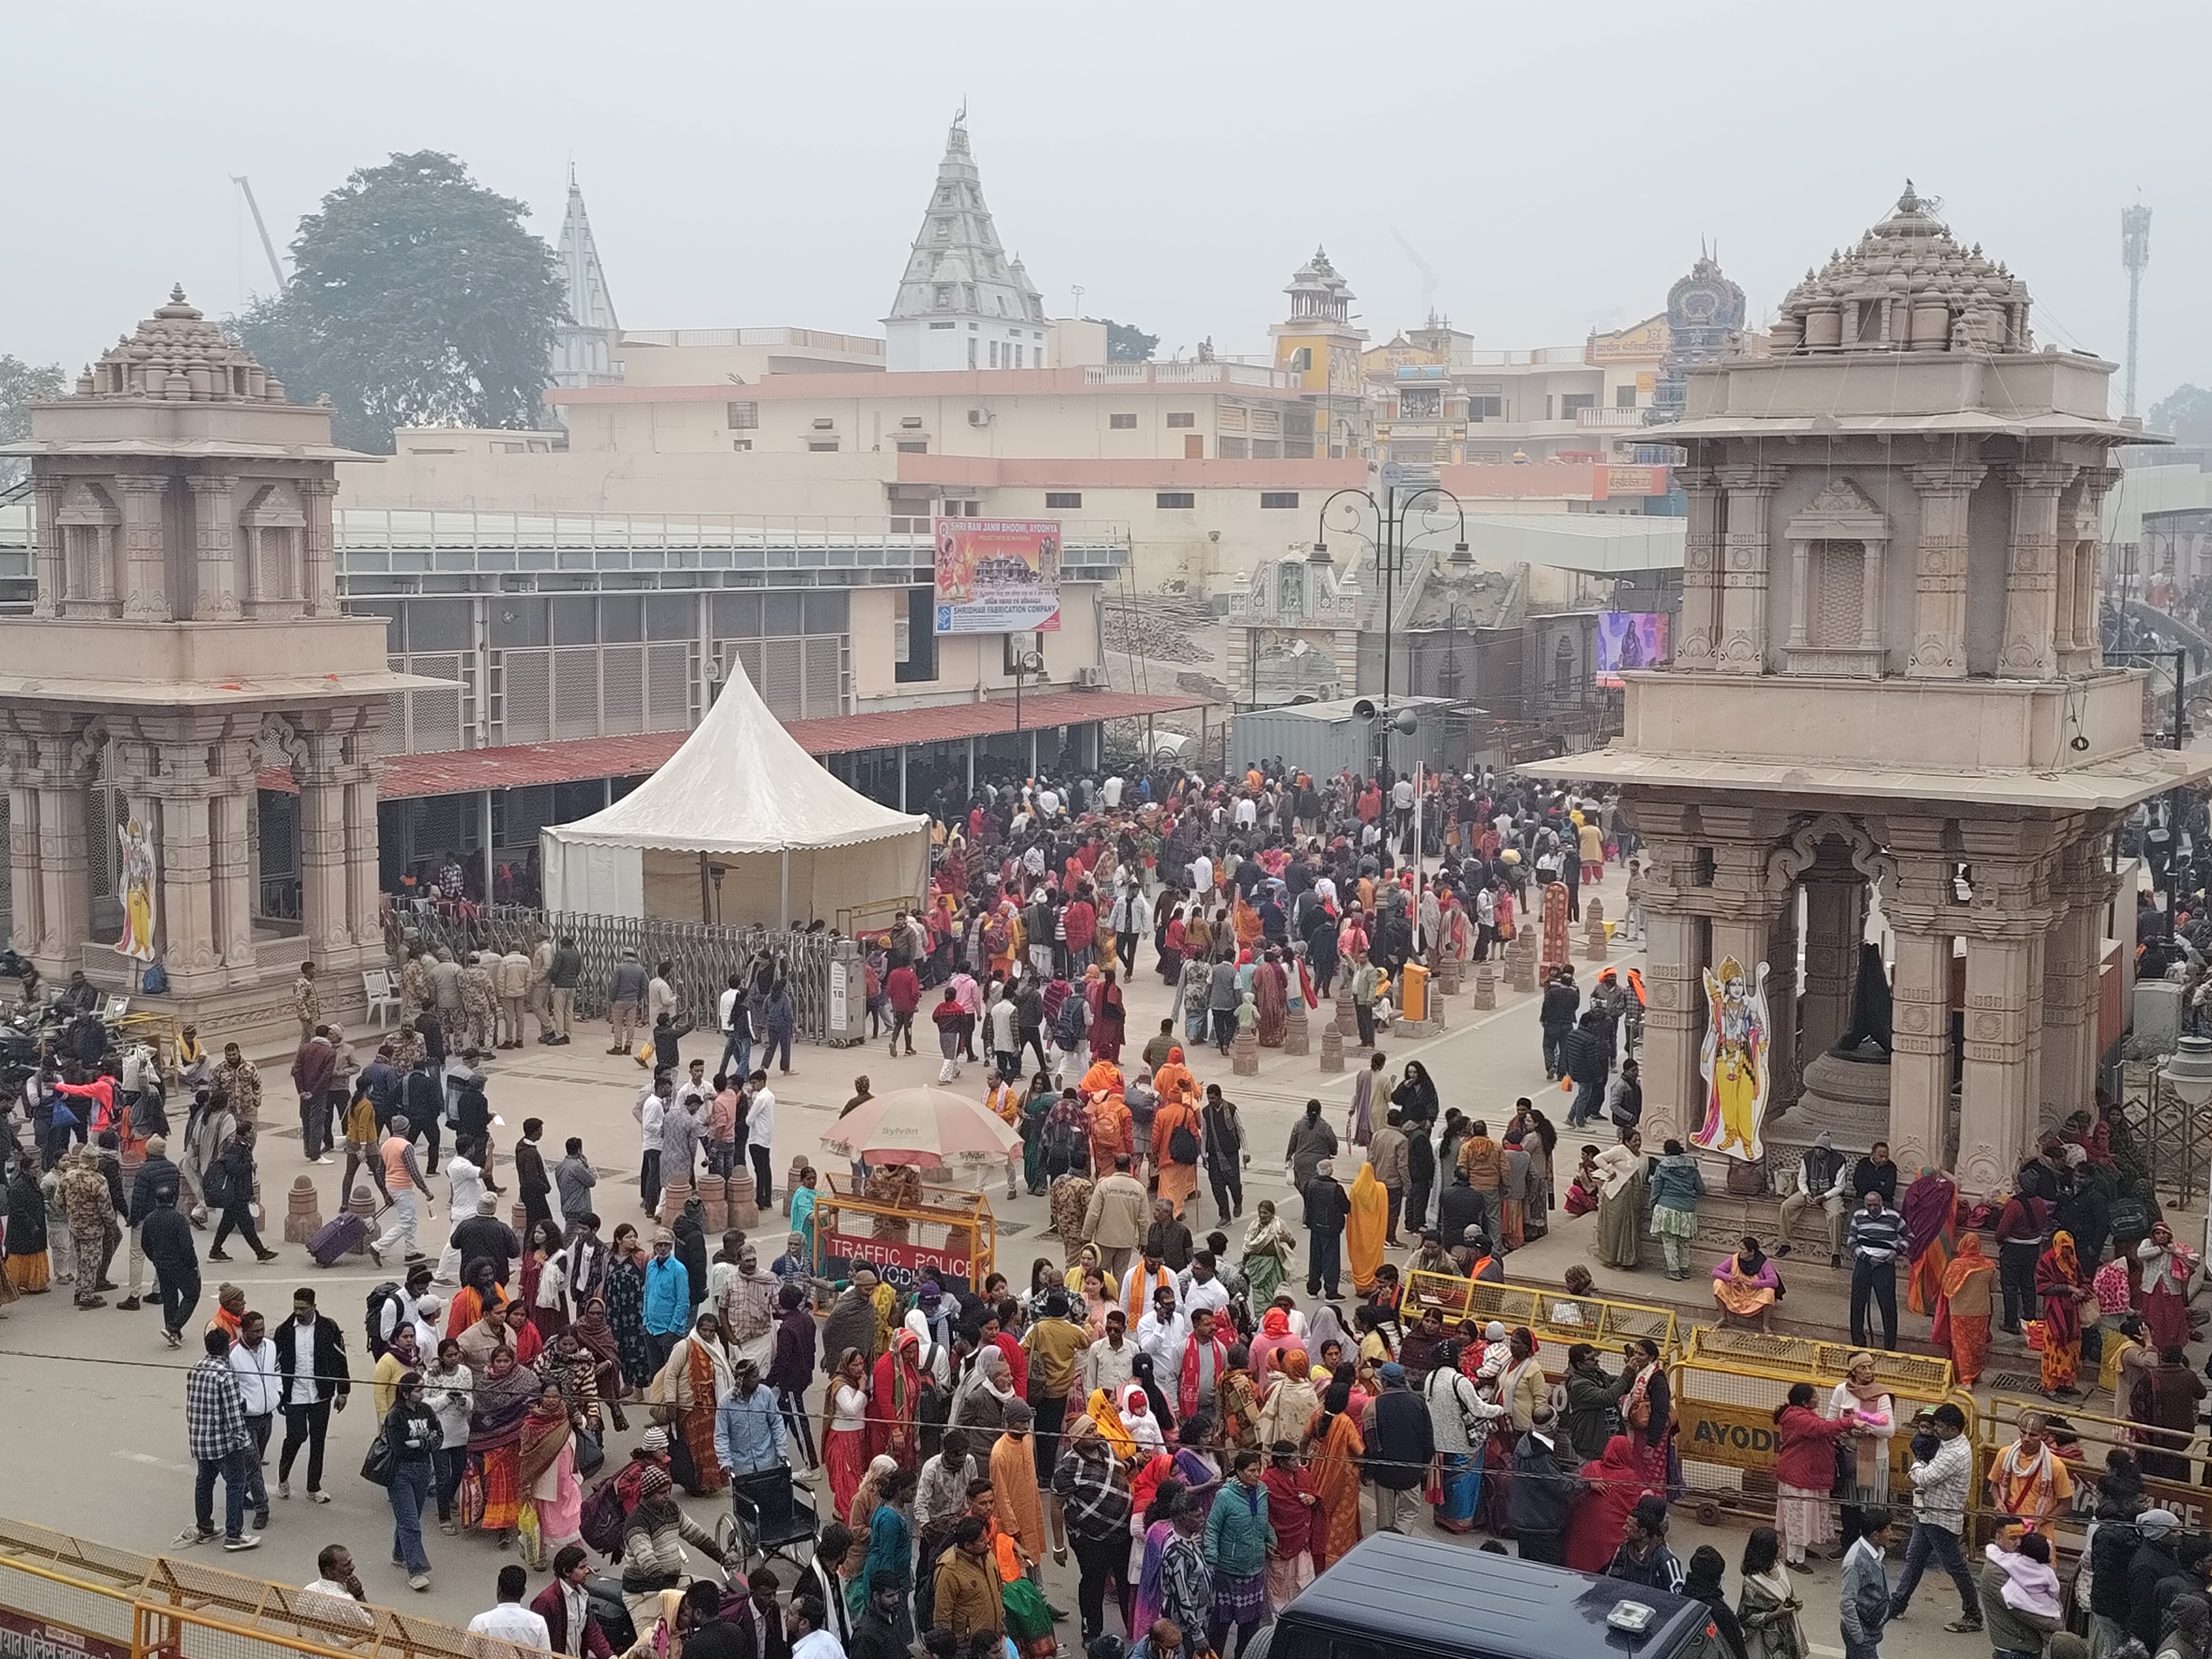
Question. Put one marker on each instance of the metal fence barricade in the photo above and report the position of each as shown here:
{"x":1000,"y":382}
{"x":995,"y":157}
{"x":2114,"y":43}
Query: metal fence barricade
{"x":702,"y":956}
{"x":2171,"y":1464}
{"x":951,"y":1231}
{"x":1729,"y":1384}
{"x":1558,"y":1319}
{"x":64,"y":1594}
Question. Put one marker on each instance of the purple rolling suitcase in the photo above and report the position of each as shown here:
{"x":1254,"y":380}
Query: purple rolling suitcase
{"x":348,"y":1233}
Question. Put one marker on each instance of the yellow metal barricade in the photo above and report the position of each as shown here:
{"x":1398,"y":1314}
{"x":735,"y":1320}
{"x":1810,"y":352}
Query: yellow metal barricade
{"x":950,"y":1230}
{"x":1729,"y":1384}
{"x":59,"y":1593}
{"x":1558,"y":1319}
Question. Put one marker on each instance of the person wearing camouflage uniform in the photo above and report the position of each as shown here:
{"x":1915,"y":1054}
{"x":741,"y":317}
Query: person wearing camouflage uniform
{"x":480,"y":1003}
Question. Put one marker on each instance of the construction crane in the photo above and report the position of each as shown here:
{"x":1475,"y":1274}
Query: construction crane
{"x":268,"y":247}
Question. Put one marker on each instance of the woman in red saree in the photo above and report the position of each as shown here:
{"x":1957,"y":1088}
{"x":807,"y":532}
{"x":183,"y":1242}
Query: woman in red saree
{"x":1962,"y":1312}
{"x":504,"y":1397}
{"x":2060,"y":1284}
{"x":1334,"y":1446}
{"x":1107,"y":1018}
{"x":1930,"y":1210}
{"x":893,"y":1430}
{"x":1271,"y":994}
{"x":1600,"y":1521}
{"x":1170,"y":945}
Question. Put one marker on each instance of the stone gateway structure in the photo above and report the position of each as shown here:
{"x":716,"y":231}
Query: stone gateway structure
{"x":1888,"y":688}
{"x":186,"y":643}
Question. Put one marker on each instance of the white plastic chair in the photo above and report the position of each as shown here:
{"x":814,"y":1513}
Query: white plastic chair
{"x":376,"y":985}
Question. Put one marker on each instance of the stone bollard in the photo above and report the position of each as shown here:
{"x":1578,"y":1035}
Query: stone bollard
{"x":1244,"y":1054}
{"x":798,"y":1167}
{"x":363,"y":1204}
{"x":303,"y":1211}
{"x":715,"y":1221}
{"x":1346,"y":1023}
{"x":1594,"y":940}
{"x":517,"y":1217}
{"x":1296,"y":1037}
{"x":1332,"y":1049}
{"x":1448,"y":978}
{"x":1520,"y":967}
{"x":743,"y":1213}
{"x":1486,"y":986}
{"x":673,"y":1197}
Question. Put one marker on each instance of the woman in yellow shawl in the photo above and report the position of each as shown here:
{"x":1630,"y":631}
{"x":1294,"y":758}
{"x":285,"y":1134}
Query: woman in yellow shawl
{"x":1364,"y":1227}
{"x":1111,"y":1428}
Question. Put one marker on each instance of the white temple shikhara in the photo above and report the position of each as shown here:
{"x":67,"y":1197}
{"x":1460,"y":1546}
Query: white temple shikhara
{"x":186,"y":636}
{"x":1887,"y":675}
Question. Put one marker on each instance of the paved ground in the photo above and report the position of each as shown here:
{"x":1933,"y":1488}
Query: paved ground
{"x":97,"y":1400}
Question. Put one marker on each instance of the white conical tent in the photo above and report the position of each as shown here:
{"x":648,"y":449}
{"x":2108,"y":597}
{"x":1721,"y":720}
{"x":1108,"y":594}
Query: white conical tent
{"x":741,"y":796}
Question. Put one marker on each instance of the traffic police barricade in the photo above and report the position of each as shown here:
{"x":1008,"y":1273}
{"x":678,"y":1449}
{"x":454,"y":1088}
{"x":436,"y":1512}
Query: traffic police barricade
{"x":70,"y":1598}
{"x":945,"y":1228}
{"x":1728,"y":1384}
{"x":1558,"y":1318}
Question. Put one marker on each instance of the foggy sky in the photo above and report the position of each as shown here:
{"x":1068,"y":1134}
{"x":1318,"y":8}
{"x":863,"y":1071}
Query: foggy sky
{"x":1554,"y":166}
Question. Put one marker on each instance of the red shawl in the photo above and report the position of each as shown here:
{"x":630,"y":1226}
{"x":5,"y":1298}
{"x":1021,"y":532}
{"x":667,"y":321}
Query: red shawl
{"x":1186,"y":1388}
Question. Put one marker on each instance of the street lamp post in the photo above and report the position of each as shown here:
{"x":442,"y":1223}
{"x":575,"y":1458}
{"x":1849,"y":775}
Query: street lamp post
{"x":1390,"y":553}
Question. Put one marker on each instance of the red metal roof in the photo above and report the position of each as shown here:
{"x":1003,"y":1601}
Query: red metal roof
{"x":462,"y":771}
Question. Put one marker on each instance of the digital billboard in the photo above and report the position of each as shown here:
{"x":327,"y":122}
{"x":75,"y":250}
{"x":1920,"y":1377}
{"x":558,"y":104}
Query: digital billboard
{"x":1629,"y":640}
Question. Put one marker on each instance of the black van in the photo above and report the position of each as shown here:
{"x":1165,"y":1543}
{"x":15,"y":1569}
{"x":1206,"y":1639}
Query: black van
{"x":1394,"y":1598}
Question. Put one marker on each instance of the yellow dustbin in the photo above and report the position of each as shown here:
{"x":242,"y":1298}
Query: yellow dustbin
{"x":1414,"y":1001}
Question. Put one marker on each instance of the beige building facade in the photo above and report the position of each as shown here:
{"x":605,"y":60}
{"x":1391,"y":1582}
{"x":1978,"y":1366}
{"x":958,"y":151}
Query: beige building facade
{"x":1886,"y":679}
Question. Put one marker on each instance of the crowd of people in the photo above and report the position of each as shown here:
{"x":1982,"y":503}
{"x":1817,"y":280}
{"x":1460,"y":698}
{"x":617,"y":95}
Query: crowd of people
{"x":1155,"y":1401}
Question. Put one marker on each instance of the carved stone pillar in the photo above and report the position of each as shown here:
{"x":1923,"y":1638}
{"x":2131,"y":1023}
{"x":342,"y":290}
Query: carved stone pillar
{"x":47,"y":498}
{"x":1744,"y":548}
{"x":364,"y":887}
{"x":1835,"y":923}
{"x":1999,"y":1109}
{"x":319,"y":585}
{"x":324,"y":780}
{"x":2068,"y":1077}
{"x":1782,"y":1062}
{"x":1699,"y":646}
{"x":64,"y":872}
{"x":26,"y":846}
{"x":231,"y":873}
{"x":145,"y":574}
{"x":2029,"y":650}
{"x":1918,"y":901}
{"x":214,"y":538}
{"x":1675,"y":1017}
{"x":1939,"y":599}
{"x":2081,"y":542}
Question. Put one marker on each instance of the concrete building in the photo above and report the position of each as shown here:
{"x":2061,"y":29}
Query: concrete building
{"x":1887,"y":678}
{"x":186,"y":636}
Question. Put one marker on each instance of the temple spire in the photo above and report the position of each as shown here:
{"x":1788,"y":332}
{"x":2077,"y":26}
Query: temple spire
{"x":583,"y":346}
{"x":959,"y":281}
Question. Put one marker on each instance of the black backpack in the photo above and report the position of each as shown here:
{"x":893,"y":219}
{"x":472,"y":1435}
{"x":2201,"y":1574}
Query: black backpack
{"x":1066,"y":1149}
{"x":215,"y":1184}
{"x":378,"y":1299}
{"x":1182,"y":1146}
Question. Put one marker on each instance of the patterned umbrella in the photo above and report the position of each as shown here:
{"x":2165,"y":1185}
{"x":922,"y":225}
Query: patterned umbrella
{"x":926,"y":1127}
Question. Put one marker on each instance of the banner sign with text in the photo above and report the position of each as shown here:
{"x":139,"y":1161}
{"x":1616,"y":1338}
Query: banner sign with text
{"x":997,"y":575}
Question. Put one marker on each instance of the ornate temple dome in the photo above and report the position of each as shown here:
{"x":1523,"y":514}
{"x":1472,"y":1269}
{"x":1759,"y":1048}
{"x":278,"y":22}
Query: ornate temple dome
{"x":1907,"y":286}
{"x":179,"y":356}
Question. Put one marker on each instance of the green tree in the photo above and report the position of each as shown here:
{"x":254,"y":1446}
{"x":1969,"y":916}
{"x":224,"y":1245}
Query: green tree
{"x":1128,"y":344}
{"x":416,"y":298}
{"x":2185,"y":414}
{"x":22,"y":384}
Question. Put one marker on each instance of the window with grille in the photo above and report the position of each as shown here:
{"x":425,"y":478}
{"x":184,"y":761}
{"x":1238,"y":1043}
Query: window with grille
{"x":743,"y":417}
{"x":1486,"y":409}
{"x":1170,"y":500}
{"x":912,"y":446}
{"x":822,"y":448}
{"x":1183,"y":420}
{"x":1624,"y":396}
{"x":1274,"y":498}
{"x":1232,"y":449}
{"x":1266,"y":449}
{"x":1122,"y":422}
{"x":1067,"y":500}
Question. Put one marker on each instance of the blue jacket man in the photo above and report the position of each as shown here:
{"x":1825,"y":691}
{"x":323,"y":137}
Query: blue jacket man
{"x":667,"y":1295}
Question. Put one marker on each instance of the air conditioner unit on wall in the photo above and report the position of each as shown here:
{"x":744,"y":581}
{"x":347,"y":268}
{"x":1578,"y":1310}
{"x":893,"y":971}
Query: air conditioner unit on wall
{"x":979,"y":417}
{"x":1090,"y":679}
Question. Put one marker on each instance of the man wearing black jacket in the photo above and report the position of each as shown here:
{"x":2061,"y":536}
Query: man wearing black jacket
{"x":1327,"y":1207}
{"x":1400,"y":1441}
{"x":1562,"y":1000}
{"x":167,"y":1237}
{"x":424,"y":1094}
{"x":311,"y":1358}
{"x":155,"y":1176}
{"x":1543,"y":1493}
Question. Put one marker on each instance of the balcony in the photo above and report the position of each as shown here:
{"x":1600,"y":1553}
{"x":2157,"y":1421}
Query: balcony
{"x":1603,"y":420}
{"x":1213,"y":373}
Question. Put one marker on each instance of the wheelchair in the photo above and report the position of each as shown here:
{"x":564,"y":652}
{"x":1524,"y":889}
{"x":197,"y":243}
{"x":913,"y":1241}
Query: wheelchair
{"x":771,"y":1516}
